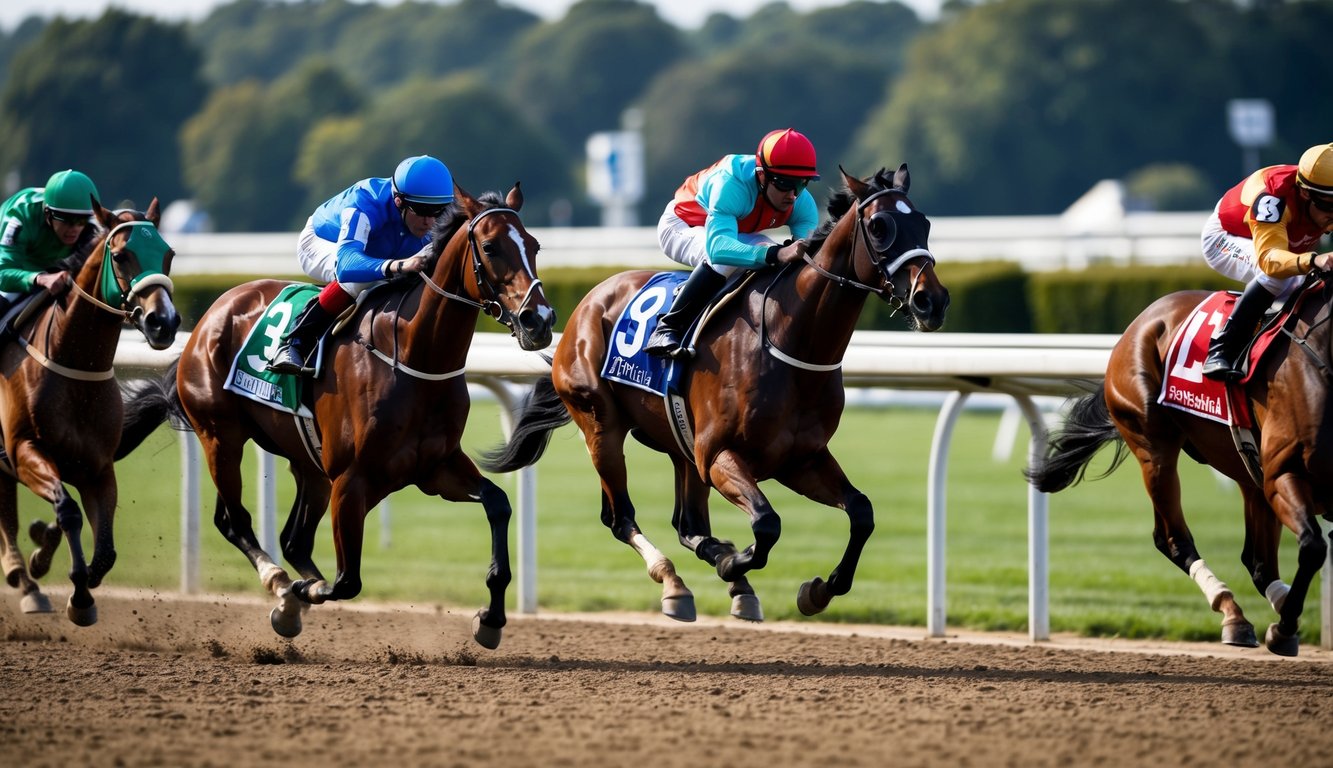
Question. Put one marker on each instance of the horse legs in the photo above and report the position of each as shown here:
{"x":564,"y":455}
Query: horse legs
{"x":39,"y":473}
{"x":822,"y":480}
{"x":11,"y":558}
{"x":233,"y":521}
{"x":459,"y":480}
{"x":99,"y":504}
{"x":732,"y":477}
{"x":1172,"y":537}
{"x":695,"y":531}
{"x":298,"y":534}
{"x":1295,"y":507}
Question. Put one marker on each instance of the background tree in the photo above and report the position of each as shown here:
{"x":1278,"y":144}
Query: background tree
{"x":454,"y":119}
{"x":240,"y":151}
{"x":264,"y":39}
{"x":106,"y":97}
{"x":579,"y":74}
{"x":699,"y":111}
{"x":1020,"y":106}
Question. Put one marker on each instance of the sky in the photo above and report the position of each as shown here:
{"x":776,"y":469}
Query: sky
{"x":686,"y":14}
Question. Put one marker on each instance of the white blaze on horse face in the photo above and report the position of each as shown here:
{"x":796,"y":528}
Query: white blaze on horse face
{"x":517,"y":237}
{"x":903,"y":207}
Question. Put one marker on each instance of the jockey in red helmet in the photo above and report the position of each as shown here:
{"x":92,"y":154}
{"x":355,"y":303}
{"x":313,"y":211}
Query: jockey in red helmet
{"x":715,"y":224}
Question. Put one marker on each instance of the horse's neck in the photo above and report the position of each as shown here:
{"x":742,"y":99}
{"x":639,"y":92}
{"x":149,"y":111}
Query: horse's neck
{"x":81,"y":334}
{"x":440,"y":331}
{"x":821,"y":313}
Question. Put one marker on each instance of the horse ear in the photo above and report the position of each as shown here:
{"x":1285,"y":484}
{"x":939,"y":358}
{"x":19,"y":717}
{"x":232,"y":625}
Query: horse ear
{"x":901,"y":178}
{"x":854,"y":185}
{"x":515,"y":197}
{"x":104,"y":217}
{"x":154,"y":214}
{"x":465,"y":201}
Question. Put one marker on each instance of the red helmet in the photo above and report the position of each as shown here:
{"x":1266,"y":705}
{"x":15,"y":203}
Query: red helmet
{"x":787,"y":153}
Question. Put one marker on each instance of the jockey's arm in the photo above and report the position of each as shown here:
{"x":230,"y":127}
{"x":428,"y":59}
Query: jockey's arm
{"x":18,"y":267}
{"x":354,"y":265}
{"x":1273,"y":252}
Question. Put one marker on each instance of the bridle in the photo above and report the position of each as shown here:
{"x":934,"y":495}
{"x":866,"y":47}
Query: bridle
{"x":491,"y":306}
{"x":877,"y":250}
{"x":488,"y":304}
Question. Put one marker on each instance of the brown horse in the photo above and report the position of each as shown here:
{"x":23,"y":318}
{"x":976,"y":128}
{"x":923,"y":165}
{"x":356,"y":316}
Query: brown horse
{"x":1289,"y":395}
{"x":60,"y":406}
{"x":765,"y":393}
{"x":390,"y":407}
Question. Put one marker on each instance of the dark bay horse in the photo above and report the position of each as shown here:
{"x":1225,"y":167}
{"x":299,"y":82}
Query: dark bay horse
{"x":390,"y":406}
{"x":765,"y":393}
{"x":60,"y":405}
{"x":1289,"y":394}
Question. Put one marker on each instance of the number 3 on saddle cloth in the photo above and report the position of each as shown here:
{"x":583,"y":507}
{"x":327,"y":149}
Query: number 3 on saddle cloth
{"x":248,"y":377}
{"x":1184,"y":386}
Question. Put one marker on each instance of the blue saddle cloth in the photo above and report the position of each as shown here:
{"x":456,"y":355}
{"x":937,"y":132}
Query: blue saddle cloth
{"x":626,"y":362}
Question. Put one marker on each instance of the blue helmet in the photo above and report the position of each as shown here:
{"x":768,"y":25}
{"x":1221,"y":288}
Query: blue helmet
{"x":424,"y":179}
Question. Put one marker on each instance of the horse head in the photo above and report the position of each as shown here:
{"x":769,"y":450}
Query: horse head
{"x":503,"y":278}
{"x":133,"y":276}
{"x":891,"y":250}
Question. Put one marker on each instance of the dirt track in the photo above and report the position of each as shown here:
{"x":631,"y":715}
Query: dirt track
{"x":162,"y":680}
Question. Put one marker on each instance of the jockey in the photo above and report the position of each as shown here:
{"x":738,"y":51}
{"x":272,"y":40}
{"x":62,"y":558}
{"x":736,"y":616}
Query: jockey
{"x":39,"y":228}
{"x":713,"y":224}
{"x":369,"y":232}
{"x":1262,"y":232}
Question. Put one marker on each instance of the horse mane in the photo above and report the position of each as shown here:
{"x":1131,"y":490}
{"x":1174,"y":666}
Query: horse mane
{"x":455,"y":217}
{"x":840,"y":201}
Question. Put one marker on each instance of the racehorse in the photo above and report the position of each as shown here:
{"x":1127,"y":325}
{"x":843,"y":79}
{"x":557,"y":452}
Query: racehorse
{"x":1289,"y":394}
{"x":60,"y":405}
{"x":765,"y":392}
{"x":390,"y":406}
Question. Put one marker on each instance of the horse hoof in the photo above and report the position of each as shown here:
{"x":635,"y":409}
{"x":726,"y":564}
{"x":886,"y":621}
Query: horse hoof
{"x":747,"y":608}
{"x":679,"y":607}
{"x":83,"y":617}
{"x":285,"y":623}
{"x":1282,"y":645}
{"x":486,"y":637}
{"x":1239,"y":633}
{"x":812,"y":599}
{"x":35,"y":602}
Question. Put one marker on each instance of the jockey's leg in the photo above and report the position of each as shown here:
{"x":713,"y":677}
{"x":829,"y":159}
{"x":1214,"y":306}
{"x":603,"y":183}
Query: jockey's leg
{"x":1224,"y":349}
{"x":668,"y":338}
{"x":312,"y":323}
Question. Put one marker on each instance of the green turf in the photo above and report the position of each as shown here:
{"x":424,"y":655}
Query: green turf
{"x":1106,"y":578}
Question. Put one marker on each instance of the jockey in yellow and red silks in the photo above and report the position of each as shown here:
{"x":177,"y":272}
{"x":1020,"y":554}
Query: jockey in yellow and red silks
{"x":1262,"y":232}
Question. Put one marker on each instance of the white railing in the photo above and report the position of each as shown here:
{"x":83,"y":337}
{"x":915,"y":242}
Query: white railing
{"x":1021,"y":366}
{"x":1036,"y":242}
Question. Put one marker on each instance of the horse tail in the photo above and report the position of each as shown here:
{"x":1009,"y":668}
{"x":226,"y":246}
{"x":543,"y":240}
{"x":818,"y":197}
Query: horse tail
{"x":1087,"y":428}
{"x":148,"y":403}
{"x":540,"y":414}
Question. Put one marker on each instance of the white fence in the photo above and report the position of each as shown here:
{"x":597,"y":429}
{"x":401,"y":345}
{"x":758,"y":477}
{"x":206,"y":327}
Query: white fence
{"x":1023,"y":367}
{"x":1036,"y":242}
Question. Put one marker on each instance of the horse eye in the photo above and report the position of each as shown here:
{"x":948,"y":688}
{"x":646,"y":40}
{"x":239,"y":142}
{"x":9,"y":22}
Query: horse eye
{"x":488,"y":248}
{"x":120,"y":257}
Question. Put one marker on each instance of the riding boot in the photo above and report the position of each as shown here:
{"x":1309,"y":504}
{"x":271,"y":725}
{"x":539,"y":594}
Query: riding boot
{"x":698,"y":289}
{"x":300,"y":341}
{"x":1224,"y":349}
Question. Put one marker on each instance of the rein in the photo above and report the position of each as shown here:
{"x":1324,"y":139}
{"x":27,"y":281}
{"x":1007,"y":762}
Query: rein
{"x":1303,"y":342}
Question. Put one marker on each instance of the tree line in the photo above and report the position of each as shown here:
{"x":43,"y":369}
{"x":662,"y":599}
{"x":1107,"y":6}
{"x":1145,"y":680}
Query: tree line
{"x":263,"y":109}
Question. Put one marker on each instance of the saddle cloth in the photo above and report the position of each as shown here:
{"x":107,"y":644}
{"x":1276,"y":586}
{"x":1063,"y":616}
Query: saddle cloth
{"x":1184,"y":386}
{"x":626,"y":362}
{"x":248,"y":377}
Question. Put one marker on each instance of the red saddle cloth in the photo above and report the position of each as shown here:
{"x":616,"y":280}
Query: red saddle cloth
{"x":1184,"y":386}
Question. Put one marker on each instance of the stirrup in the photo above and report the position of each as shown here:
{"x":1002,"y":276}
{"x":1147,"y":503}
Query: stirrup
{"x":287,"y":360}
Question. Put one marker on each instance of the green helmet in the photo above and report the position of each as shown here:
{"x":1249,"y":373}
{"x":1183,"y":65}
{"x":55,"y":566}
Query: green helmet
{"x":70,"y":192}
